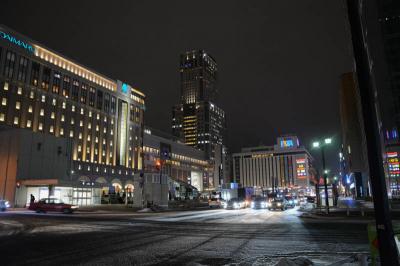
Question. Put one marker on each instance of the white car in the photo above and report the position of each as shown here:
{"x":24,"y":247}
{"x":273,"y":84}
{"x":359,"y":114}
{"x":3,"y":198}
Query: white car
{"x":4,"y":205}
{"x":214,"y":203}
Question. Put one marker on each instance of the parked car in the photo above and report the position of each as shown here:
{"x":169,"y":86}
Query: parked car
{"x":278,"y":203}
{"x":310,"y":199}
{"x":52,"y":205}
{"x":235,"y":204}
{"x":258,"y":203}
{"x":214,"y":203}
{"x":4,"y":205}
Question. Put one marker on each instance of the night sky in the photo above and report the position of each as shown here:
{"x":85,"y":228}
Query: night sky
{"x":279,"y":61}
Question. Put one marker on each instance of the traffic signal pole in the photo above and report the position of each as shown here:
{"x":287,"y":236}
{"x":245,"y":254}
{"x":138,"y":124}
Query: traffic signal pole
{"x":363,"y":63}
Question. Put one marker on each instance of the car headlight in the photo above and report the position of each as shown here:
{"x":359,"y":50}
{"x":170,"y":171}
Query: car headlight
{"x":252,"y":204}
{"x":279,"y":204}
{"x":296,"y":201}
{"x":7,"y":204}
{"x":291,"y":202}
{"x":236,"y":205}
{"x":269,"y":204}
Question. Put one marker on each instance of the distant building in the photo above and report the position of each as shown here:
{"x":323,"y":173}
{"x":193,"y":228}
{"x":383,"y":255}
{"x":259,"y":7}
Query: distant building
{"x":183,"y":163}
{"x":281,"y":166}
{"x":44,"y":92}
{"x":354,"y":152}
{"x":197,"y":119}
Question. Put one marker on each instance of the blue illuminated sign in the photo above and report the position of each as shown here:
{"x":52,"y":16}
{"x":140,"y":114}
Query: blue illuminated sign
{"x":286,"y":143}
{"x":124,"y":88}
{"x":14,"y":40}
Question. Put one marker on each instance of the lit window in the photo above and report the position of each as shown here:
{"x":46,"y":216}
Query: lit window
{"x":110,"y":154}
{"x":32,"y":95}
{"x":90,"y":113}
{"x":72,"y":121}
{"x":19,"y":91}
{"x":6,"y":86}
{"x":4,"y":101}
{"x":73,"y":108}
{"x":30,"y":109}
{"x":16,"y":120}
{"x":82,"y":111}
{"x":104,"y":141}
{"x":98,"y":116}
{"x":97,"y":127}
{"x":96,"y":140}
{"x":112,"y":122}
{"x":81,"y":123}
{"x":43,"y":98}
{"x":79,"y":148}
{"x":62,"y":118}
{"x":2,"y":118}
{"x":51,"y":129}
{"x":61,"y":131}
{"x":112,"y":132}
{"x":104,"y":130}
{"x":87,"y":150}
{"x":90,"y":126}
{"x":111,"y":143}
{"x":71,"y":133}
{"x":42,"y":112}
{"x":40,"y":127}
{"x":64,"y":105}
{"x":18,"y":105}
{"x":28,"y":123}
{"x":80,"y":136}
{"x":54,"y":102}
{"x":88,"y":138}
{"x":53,"y":115}
{"x":105,"y":119}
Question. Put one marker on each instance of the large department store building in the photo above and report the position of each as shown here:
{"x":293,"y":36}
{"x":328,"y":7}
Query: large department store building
{"x":66,"y":113}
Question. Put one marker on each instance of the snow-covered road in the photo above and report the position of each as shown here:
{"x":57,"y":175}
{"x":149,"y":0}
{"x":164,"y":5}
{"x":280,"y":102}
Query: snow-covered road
{"x":208,"y":237}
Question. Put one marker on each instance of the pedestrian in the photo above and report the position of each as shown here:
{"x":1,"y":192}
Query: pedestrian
{"x":32,"y":198}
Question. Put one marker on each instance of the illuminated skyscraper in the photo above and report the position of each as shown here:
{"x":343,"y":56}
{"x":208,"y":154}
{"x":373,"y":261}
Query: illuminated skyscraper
{"x":197,"y":120}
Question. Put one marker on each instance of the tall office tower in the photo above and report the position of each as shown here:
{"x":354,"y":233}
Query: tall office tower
{"x":197,"y":120}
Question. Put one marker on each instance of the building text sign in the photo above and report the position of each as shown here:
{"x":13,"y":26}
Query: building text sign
{"x":15,"y":41}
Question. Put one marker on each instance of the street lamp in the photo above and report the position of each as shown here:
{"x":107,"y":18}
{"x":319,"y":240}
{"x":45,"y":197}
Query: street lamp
{"x":318,"y":144}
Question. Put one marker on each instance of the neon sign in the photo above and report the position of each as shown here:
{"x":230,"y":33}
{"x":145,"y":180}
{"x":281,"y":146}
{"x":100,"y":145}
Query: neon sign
{"x":286,"y":143}
{"x":124,"y":88}
{"x":301,"y":167}
{"x":14,"y":40}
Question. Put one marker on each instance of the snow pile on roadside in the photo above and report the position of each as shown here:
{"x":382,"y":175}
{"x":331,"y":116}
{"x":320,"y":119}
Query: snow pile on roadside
{"x":299,"y":261}
{"x":145,"y":210}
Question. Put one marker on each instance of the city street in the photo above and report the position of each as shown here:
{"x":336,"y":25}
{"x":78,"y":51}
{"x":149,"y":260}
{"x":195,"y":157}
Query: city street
{"x":203,"y":237}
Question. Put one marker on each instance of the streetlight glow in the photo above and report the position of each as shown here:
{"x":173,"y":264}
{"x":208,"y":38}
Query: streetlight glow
{"x":328,"y":141}
{"x":315,"y":144}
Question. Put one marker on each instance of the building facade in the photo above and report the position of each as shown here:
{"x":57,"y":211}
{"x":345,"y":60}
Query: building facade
{"x":284,"y":165}
{"x":197,"y":119}
{"x":45,"y":92}
{"x":181,"y":163}
{"x":353,"y":158}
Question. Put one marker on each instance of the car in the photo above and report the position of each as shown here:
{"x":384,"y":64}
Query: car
{"x":52,"y":205}
{"x":278,"y":203}
{"x":258,"y":203}
{"x":214,"y":203}
{"x":311,"y":199}
{"x":235,"y":204}
{"x":290,"y":201}
{"x":4,"y":205}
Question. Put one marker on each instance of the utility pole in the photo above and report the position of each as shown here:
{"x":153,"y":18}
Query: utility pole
{"x":366,"y":86}
{"x":325,"y":181}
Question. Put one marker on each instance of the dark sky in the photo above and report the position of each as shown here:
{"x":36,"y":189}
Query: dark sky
{"x":279,"y":61}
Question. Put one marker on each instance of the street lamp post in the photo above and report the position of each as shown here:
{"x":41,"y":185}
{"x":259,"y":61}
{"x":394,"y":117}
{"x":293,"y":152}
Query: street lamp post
{"x":317,"y":144}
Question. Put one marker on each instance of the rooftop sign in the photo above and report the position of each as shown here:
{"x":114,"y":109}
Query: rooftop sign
{"x":15,"y":41}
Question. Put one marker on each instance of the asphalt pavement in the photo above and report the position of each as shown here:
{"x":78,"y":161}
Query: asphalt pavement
{"x":202,"y":237}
